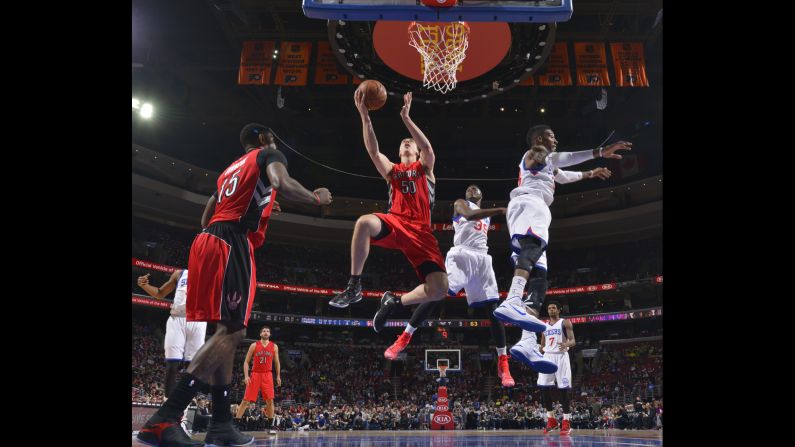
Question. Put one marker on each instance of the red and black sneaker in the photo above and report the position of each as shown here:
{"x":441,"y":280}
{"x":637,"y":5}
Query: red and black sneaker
{"x":160,"y":432}
{"x":552,"y":424}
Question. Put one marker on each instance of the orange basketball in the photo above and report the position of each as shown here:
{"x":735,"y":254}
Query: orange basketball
{"x":374,"y":94}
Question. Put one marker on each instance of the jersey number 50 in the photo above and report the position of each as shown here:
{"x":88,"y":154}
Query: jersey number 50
{"x":408,"y":187}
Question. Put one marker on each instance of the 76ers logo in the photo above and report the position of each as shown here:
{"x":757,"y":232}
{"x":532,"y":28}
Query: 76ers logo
{"x":442,"y":419}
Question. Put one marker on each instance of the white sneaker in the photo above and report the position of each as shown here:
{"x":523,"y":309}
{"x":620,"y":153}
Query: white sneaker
{"x":513,"y":311}
{"x":526,"y":351}
{"x":272,"y":432}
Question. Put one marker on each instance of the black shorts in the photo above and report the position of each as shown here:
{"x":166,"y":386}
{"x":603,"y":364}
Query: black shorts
{"x":222,"y":277}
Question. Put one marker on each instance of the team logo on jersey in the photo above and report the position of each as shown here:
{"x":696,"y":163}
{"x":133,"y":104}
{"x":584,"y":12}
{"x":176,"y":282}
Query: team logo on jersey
{"x":233,"y":300}
{"x":565,"y":382}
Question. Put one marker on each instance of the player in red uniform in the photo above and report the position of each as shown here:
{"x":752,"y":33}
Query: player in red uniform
{"x":266,"y":356}
{"x":407,"y":225}
{"x":223,"y":281}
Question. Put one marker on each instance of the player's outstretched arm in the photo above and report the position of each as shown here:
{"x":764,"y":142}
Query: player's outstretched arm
{"x":564,"y":177}
{"x":427,"y":156}
{"x":292,"y":190}
{"x":381,"y":162}
{"x":461,"y":209}
{"x":563,"y":159}
{"x":162,"y":291}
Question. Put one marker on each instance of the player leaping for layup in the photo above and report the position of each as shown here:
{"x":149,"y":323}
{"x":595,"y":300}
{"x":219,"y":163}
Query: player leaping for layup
{"x":407,"y":225}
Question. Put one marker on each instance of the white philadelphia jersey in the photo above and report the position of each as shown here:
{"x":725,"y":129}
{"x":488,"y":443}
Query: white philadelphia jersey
{"x":553,"y":337}
{"x":471,"y":234}
{"x":178,"y":308}
{"x":539,"y":180}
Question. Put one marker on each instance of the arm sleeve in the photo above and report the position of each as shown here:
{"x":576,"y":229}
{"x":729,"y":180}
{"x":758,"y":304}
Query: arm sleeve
{"x":268,"y":156}
{"x":563,"y":159}
{"x":564,"y":177}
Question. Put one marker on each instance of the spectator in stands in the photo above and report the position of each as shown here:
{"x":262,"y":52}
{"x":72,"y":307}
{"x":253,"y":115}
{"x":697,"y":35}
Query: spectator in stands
{"x":202,"y":417}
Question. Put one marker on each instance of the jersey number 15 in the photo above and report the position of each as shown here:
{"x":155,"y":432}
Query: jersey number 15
{"x":224,"y":191}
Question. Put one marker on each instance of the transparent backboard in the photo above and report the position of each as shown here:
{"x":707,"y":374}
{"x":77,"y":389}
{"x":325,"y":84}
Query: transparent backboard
{"x":449,"y":357}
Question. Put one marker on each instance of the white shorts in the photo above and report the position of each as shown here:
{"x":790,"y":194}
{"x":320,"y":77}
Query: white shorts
{"x":472,"y":271}
{"x":563,"y":374}
{"x":183,"y":338}
{"x":528,"y":216}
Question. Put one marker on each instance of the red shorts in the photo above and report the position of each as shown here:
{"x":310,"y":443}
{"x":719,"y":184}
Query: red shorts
{"x":222,"y":276}
{"x":415,"y":240}
{"x":259,"y":382}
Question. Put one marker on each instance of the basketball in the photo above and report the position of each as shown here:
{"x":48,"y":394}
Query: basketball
{"x":374,"y":94}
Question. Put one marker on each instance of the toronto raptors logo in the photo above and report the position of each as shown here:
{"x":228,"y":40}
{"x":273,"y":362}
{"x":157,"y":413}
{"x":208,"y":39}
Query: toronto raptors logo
{"x":442,"y":419}
{"x":233,"y":300}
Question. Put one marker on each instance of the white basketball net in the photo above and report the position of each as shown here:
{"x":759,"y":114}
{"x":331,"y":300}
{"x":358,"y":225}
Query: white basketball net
{"x":443,"y":47}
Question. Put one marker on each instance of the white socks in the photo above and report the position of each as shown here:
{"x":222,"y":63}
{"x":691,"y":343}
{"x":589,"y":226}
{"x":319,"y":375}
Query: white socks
{"x":410,"y":329}
{"x":533,"y":338}
{"x":502,"y":351}
{"x":517,"y":288}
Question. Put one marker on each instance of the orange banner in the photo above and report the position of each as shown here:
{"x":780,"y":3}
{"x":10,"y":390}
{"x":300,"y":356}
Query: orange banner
{"x":558,"y":71}
{"x":591,"y":62}
{"x":256,"y":60}
{"x":629,"y":64}
{"x":528,"y":81}
{"x":293,"y":66}
{"x":357,"y":80}
{"x":327,"y":69}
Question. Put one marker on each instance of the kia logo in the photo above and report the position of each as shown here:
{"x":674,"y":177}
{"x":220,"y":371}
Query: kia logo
{"x":442,"y":400}
{"x":442,"y":419}
{"x":442,"y":408}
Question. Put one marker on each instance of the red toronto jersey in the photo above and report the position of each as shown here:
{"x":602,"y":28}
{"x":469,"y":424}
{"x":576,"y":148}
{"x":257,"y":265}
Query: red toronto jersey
{"x":244,"y":192}
{"x":263,"y":357}
{"x":411,"y":192}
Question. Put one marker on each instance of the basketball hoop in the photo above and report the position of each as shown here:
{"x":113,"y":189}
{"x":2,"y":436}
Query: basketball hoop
{"x":442,"y":47}
{"x":443,"y":370}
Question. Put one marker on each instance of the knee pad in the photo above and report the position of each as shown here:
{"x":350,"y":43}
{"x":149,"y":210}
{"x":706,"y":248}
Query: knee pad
{"x":531,"y":250}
